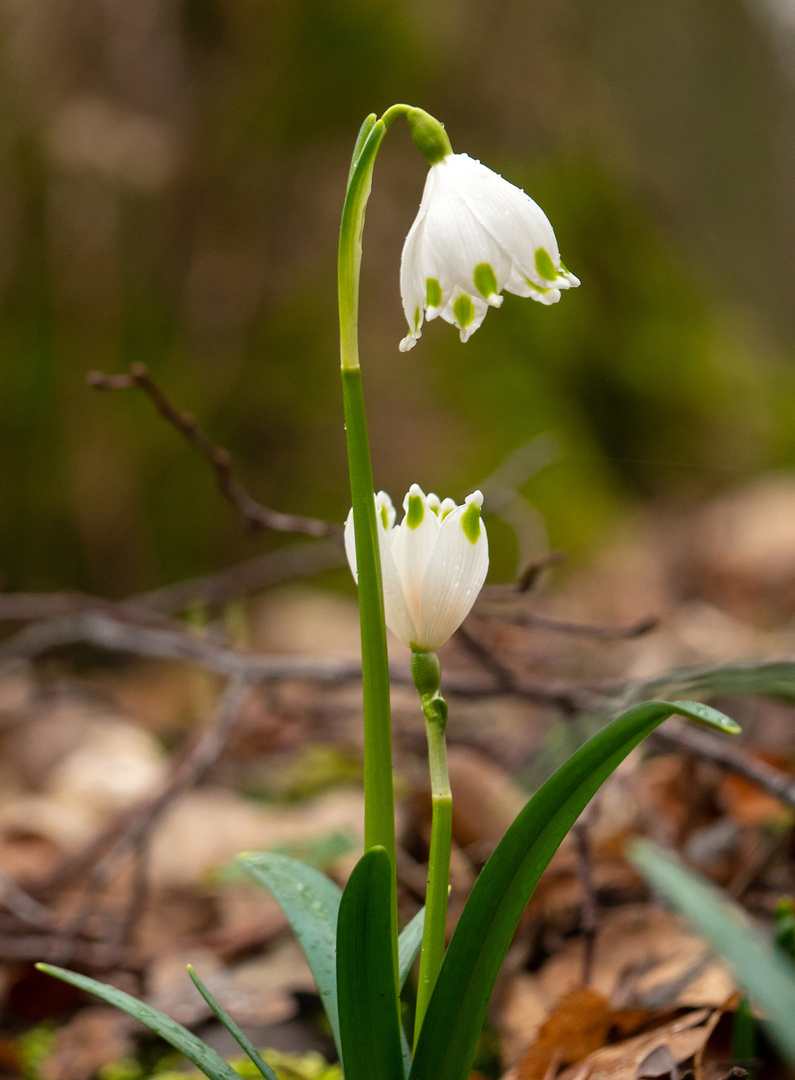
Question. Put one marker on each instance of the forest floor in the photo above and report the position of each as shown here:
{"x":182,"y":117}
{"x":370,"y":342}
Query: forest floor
{"x":131,"y":780}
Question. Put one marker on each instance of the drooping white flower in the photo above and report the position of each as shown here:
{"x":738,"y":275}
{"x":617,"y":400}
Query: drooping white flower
{"x":433,"y":564}
{"x":475,"y":235}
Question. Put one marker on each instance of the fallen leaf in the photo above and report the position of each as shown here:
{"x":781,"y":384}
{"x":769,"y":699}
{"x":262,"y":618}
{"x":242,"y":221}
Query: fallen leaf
{"x":679,"y":1041}
{"x":94,"y":1038}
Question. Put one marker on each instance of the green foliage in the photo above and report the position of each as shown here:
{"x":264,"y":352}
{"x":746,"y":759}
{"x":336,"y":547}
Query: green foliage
{"x":203,"y":1057}
{"x":311,"y":902}
{"x":366,"y":978}
{"x":492,"y":912}
{"x":767,"y":972}
{"x":34,"y":1049}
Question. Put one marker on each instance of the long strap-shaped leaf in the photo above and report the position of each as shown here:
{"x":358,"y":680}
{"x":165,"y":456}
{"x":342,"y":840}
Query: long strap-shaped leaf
{"x":311,"y":901}
{"x":245,"y":1044}
{"x":202,"y":1056}
{"x":366,"y":978}
{"x":478,"y":947}
{"x":767,"y":973}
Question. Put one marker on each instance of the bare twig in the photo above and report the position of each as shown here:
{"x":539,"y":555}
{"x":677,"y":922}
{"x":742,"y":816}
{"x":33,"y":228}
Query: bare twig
{"x":103,"y":631}
{"x":23,"y":906}
{"x":193,"y":767}
{"x":570,"y":698}
{"x":718,"y":752}
{"x":257,"y":516}
{"x":519,"y":616}
{"x":243,"y":578}
{"x":92,"y":954}
{"x":533,"y":570}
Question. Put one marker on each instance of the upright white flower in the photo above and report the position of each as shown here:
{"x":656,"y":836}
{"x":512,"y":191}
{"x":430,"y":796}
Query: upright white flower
{"x":433,"y":564}
{"x":475,"y":235}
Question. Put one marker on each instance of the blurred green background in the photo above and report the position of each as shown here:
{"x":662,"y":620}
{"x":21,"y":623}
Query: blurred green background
{"x":171,"y":180}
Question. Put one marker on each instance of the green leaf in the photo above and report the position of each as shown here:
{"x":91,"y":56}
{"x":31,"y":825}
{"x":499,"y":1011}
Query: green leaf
{"x":245,"y":1044}
{"x":487,"y":924}
{"x":202,"y":1056}
{"x":311,"y":902}
{"x":366,"y":978}
{"x":409,"y":943}
{"x":773,"y":679}
{"x":765,"y":971}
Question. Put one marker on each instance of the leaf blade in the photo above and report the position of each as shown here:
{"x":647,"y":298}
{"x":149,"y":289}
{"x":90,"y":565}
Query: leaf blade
{"x":766,"y":972}
{"x":487,"y":924}
{"x":203,"y":1057}
{"x":243,"y":1042}
{"x":311,"y":901}
{"x":409,"y":944}
{"x":366,"y":981}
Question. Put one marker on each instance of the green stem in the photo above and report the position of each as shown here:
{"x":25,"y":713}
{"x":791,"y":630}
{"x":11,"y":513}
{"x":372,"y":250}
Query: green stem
{"x":433,"y":938}
{"x":379,"y":811}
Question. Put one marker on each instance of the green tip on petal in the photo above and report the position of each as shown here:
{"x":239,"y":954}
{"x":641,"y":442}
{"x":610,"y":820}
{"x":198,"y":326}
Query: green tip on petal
{"x":415,"y":512}
{"x":433,"y":293}
{"x":470,"y":523}
{"x":464,"y":310}
{"x":545,"y":266}
{"x":485,"y":280}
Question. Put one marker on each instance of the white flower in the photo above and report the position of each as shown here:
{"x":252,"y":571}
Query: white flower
{"x":433,"y":564}
{"x":475,"y":235}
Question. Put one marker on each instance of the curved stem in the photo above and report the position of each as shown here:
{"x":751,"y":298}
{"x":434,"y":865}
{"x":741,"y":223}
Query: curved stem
{"x":433,"y":938}
{"x":379,"y":813}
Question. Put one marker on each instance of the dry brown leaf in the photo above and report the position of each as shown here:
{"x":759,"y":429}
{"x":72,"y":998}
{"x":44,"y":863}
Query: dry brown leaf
{"x":576,"y":1027}
{"x":643,"y":958}
{"x":745,"y":802}
{"x":257,"y":991}
{"x":485,"y":798}
{"x":210,"y":827}
{"x":683,"y":1038}
{"x":94,"y":1038}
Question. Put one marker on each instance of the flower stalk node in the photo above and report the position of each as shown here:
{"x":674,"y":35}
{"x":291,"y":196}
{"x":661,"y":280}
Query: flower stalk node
{"x":429,"y":135}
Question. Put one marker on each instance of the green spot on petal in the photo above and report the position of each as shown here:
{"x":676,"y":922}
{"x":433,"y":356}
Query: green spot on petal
{"x":464,"y":310}
{"x":417,"y":314}
{"x":470,"y":523}
{"x":415,"y":512}
{"x":384,"y":517}
{"x":545,"y":266}
{"x":433,"y":293}
{"x":485,"y":280}
{"x":535,"y":287}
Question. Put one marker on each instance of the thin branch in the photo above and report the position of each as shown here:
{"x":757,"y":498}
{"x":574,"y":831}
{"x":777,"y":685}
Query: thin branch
{"x":569,"y":697}
{"x":24,"y":907}
{"x":519,"y":616}
{"x":103,"y":631}
{"x":243,"y":578}
{"x":258,"y":517}
{"x":139,"y":825}
{"x":720,"y":753}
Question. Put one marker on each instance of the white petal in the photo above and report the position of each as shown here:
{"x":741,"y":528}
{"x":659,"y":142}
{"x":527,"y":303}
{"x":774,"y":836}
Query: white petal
{"x":411,"y":549}
{"x":455,"y":242}
{"x":412,"y":282}
{"x":454,"y":576}
{"x":350,"y":545}
{"x":479,"y":309}
{"x":384,"y":510}
{"x":515,"y":220}
{"x":396,"y":612}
